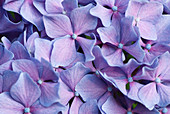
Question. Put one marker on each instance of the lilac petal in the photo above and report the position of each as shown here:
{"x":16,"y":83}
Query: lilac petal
{"x":5,"y":55}
{"x":59,"y":24}
{"x":87,"y":46}
{"x":82,"y":20}
{"x":37,"y":108}
{"x":128,"y":33}
{"x":149,"y":96}
{"x":53,"y":6}
{"x":25,"y":90}
{"x":108,"y":35}
{"x":9,"y":5}
{"x":147,"y":13}
{"x":19,"y":51}
{"x":64,"y":52}
{"x":99,"y":61}
{"x":30,"y":13}
{"x":106,"y":2}
{"x":122,"y":5}
{"x":104,"y":14}
{"x":9,"y":106}
{"x":74,"y":109}
{"x":135,"y":50}
{"x":40,"y":5}
{"x":147,"y":30}
{"x":65,"y":93}
{"x":9,"y":78}
{"x":49,"y":93}
{"x":164,"y":93}
{"x":6,"y":66}
{"x":48,"y":72}
{"x":112,"y":56}
{"x":1,"y":83}
{"x":111,"y":104}
{"x":91,"y":87}
{"x":42,"y":49}
{"x":71,"y":77}
{"x":69,"y":5}
{"x":133,"y":91}
{"x":26,"y":66}
{"x":90,"y":107}
{"x":6,"y":42}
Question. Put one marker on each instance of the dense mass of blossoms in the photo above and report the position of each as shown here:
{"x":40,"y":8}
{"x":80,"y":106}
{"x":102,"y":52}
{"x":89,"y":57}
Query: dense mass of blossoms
{"x":85,"y":56}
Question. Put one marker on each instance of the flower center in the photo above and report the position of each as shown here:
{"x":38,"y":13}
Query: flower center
{"x":64,"y":12}
{"x":114,"y":8}
{"x":165,"y":110}
{"x":129,"y":112}
{"x":97,"y":72}
{"x":158,"y":80}
{"x":27,"y":110}
{"x":109,"y":89}
{"x":74,"y":36}
{"x":120,"y":46}
{"x":76,"y":94}
{"x":40,"y":82}
{"x":148,"y":46}
{"x":130,"y":79}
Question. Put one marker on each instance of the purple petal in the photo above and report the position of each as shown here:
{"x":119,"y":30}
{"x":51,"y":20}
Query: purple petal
{"x":49,"y":93}
{"x":87,"y":46}
{"x":64,"y":52}
{"x":53,"y":6}
{"x":82,"y":20}
{"x":6,"y":42}
{"x":111,"y":104}
{"x":19,"y":51}
{"x":69,"y":5}
{"x":149,"y":96}
{"x":9,"y":106}
{"x":72,"y":76}
{"x":59,"y":24}
{"x":74,"y":109}
{"x":90,"y":107}
{"x":91,"y":87}
{"x":25,"y":90}
{"x":26,"y":66}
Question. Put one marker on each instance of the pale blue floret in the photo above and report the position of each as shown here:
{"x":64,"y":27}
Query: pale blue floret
{"x":40,"y":81}
{"x":109,"y":89}
{"x":27,"y":110}
{"x":74,"y":36}
{"x":114,"y":8}
{"x":76,"y":94}
{"x":158,"y":80}
{"x":130,"y":79}
{"x":129,"y":112}
{"x":165,"y":110}
{"x":148,"y":46}
{"x":120,"y":46}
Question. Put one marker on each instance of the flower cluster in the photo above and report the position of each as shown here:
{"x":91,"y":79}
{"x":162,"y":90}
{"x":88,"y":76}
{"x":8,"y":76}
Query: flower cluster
{"x":85,"y":56}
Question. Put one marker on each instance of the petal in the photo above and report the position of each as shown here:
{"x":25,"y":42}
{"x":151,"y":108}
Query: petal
{"x":69,"y":5}
{"x":91,"y":87}
{"x":64,"y":52}
{"x":42,"y":49}
{"x":60,"y":26}
{"x":111,"y":104}
{"x":135,"y":50}
{"x":147,"y":30}
{"x":87,"y":46}
{"x":6,"y":42}
{"x":5,"y":55}
{"x":53,"y":6}
{"x":19,"y":51}
{"x":72,"y":76}
{"x":9,"y":78}
{"x":108,"y":35}
{"x":164,"y":93}
{"x":26,"y":66}
{"x":74,"y":109}
{"x":30,"y":13}
{"x":106,"y":2}
{"x":37,"y":108}
{"x":149,"y":95}
{"x":82,"y":20}
{"x":102,"y":13}
{"x":9,"y":106}
{"x":90,"y":107}
{"x":49,"y":93}
{"x":25,"y":90}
